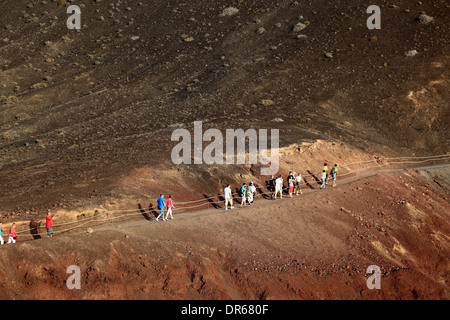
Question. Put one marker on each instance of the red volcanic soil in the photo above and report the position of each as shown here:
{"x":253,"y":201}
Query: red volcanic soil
{"x":317,"y":245}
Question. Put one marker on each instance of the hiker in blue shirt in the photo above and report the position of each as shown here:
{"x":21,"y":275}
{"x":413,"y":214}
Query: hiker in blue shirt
{"x":161,"y":205}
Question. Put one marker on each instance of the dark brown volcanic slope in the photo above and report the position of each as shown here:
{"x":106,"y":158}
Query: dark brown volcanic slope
{"x":81,"y":108}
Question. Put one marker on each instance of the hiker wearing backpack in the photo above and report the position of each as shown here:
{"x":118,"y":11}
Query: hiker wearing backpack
{"x":333,"y":173}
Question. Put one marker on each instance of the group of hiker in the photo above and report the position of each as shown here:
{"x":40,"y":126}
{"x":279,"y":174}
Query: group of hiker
{"x":276,"y":186}
{"x":325,"y":175}
{"x":162,"y":203}
{"x":12,"y":234}
{"x":247,"y":194}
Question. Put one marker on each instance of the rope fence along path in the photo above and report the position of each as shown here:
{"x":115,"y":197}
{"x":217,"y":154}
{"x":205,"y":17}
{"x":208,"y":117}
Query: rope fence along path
{"x":103,"y":217}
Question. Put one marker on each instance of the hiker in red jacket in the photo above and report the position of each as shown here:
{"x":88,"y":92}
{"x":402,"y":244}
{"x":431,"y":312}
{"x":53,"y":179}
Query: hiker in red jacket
{"x":12,"y":236}
{"x":49,"y":224}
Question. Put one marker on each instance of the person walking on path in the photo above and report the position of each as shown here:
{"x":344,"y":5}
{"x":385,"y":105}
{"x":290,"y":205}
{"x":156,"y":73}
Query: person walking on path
{"x":324,"y":176}
{"x":161,"y":205}
{"x":228,"y":197}
{"x":278,"y":187}
{"x":242,"y":194}
{"x":1,"y":238}
{"x":12,"y":236}
{"x":169,"y":204}
{"x":49,"y":224}
{"x":291,"y":180}
{"x":298,"y":186}
{"x":272,"y":184}
{"x":333,"y":173}
{"x":251,"y":192}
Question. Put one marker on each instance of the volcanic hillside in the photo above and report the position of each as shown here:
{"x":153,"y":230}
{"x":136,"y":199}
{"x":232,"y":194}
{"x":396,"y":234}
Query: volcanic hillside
{"x":86,"y":118}
{"x":80,"y":108}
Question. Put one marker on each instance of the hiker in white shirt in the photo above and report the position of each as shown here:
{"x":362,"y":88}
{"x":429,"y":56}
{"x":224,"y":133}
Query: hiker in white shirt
{"x":250,"y":193}
{"x":278,"y":187}
{"x":228,"y":197}
{"x":298,"y":186}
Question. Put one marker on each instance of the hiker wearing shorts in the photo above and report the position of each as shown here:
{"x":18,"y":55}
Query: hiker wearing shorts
{"x":298,"y":186}
{"x":228,"y":197}
{"x":242,"y":194}
{"x":169,"y":205}
{"x":249,"y":194}
{"x":161,"y":204}
{"x":278,"y":187}
{"x":333,"y":173}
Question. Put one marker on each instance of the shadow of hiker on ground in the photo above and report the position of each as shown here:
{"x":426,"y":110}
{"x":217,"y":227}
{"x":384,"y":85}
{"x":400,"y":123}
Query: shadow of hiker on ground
{"x":262,"y":193}
{"x":211,"y":201}
{"x":146,"y":214}
{"x":34,"y":229}
{"x":318,"y":181}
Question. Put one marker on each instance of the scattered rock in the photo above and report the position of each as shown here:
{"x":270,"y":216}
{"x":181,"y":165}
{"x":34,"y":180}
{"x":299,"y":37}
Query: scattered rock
{"x":267,"y":102}
{"x":299,"y":27}
{"x":22,"y":116}
{"x":411,"y":53}
{"x":39,"y":85}
{"x":229,"y":12}
{"x":260,"y":30}
{"x":73,"y":147}
{"x":11,"y":99}
{"x":425,"y":19}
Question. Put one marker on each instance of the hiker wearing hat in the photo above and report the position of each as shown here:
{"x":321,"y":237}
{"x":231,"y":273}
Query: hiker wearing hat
{"x":250,"y":193}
